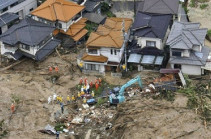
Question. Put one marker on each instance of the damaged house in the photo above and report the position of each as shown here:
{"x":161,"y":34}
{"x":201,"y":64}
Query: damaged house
{"x":105,"y":47}
{"x":150,"y":32}
{"x":66,"y":16}
{"x":28,"y":38}
{"x":187,"y":49}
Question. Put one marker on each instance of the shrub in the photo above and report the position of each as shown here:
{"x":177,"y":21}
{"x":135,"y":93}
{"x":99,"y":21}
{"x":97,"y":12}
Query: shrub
{"x":203,"y":6}
{"x":209,"y":33}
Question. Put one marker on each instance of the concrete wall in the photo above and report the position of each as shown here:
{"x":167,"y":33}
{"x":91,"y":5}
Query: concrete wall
{"x":4,"y":28}
{"x":112,"y":57}
{"x":197,"y":48}
{"x":191,"y":69}
{"x":186,"y":53}
{"x":142,"y":42}
{"x":22,"y":8}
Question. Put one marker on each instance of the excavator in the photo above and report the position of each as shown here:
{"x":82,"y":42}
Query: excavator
{"x":119,"y":97}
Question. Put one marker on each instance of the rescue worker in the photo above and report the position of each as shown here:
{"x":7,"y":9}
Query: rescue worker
{"x":57,"y":69}
{"x":85,"y":81}
{"x":91,"y":84}
{"x":50,"y":69}
{"x":81,"y":81}
{"x":68,"y":99}
{"x":93,"y":94}
{"x":96,"y":86}
{"x":13,"y":108}
{"x":57,"y":134}
{"x":73,"y":98}
{"x":79,"y":95}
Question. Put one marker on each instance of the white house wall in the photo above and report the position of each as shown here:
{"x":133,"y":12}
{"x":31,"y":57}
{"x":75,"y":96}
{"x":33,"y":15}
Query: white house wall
{"x":9,"y":49}
{"x":191,"y":69}
{"x":4,"y":28}
{"x":112,"y":57}
{"x":23,"y":8}
{"x":142,"y":42}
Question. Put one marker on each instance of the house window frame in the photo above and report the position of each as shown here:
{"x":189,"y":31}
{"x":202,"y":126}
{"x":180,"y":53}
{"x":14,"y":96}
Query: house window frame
{"x":26,"y":47}
{"x":31,"y":9}
{"x":93,"y":51}
{"x":111,"y":51}
{"x":154,"y":42}
{"x":176,"y":51}
{"x":92,"y":67}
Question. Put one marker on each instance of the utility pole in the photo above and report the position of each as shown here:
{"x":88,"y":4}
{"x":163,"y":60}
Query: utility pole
{"x":124,"y":35}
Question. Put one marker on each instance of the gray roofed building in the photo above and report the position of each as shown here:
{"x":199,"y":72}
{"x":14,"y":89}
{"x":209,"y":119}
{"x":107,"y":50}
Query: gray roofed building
{"x":95,"y":18}
{"x":28,"y":38}
{"x":92,"y":6}
{"x":187,"y":50}
{"x":186,"y":35}
{"x":151,"y":25}
{"x":160,"y":6}
{"x":28,"y":31}
{"x":7,"y":18}
{"x":6,"y":3}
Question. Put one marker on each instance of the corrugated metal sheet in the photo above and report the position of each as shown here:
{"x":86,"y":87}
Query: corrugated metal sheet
{"x":148,"y":59}
{"x":159,"y":60}
{"x":134,"y":58}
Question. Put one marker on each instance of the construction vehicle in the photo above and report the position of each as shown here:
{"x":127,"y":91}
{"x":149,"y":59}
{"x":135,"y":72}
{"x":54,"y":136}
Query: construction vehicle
{"x":119,"y":97}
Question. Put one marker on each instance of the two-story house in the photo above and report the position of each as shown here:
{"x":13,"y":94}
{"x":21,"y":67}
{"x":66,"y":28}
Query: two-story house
{"x":187,"y":50}
{"x":12,"y":10}
{"x":160,"y":7}
{"x":28,"y":38}
{"x":105,"y":47}
{"x":150,"y":32}
{"x":19,"y":7}
{"x":62,"y":14}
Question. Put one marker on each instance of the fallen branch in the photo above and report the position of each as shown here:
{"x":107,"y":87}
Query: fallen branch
{"x":12,"y":65}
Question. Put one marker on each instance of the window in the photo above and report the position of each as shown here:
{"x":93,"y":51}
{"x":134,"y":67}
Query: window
{"x":31,"y":9}
{"x":92,"y":51}
{"x":177,"y":53}
{"x":115,"y":52}
{"x":5,"y":9}
{"x":151,"y":43}
{"x":12,"y":5}
{"x":111,"y":51}
{"x":26,"y":47}
{"x":60,"y":25}
{"x":91,"y":67}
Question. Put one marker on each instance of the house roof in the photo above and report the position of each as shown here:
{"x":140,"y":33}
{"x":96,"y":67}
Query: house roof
{"x":185,"y":35}
{"x":61,"y":10}
{"x":105,"y":37}
{"x":109,"y":34}
{"x":115,"y":23}
{"x":6,"y":3}
{"x":76,"y":27}
{"x":92,"y":58}
{"x":151,"y":25}
{"x":160,"y":6}
{"x":196,"y":58}
{"x":79,"y":35}
{"x":95,"y":18}
{"x":28,"y":31}
{"x":7,"y":18}
{"x":91,"y":5}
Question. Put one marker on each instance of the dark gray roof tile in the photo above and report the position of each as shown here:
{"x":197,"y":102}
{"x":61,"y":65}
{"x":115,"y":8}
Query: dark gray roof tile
{"x":7,"y":18}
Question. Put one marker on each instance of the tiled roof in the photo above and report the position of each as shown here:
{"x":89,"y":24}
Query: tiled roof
{"x":161,"y":6}
{"x":151,"y":25}
{"x":28,"y":31}
{"x":79,"y":35}
{"x":115,"y":23}
{"x":61,"y":10}
{"x":184,"y":35}
{"x":110,"y":34}
{"x":92,"y":58}
{"x":7,"y":18}
{"x":105,"y":38}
